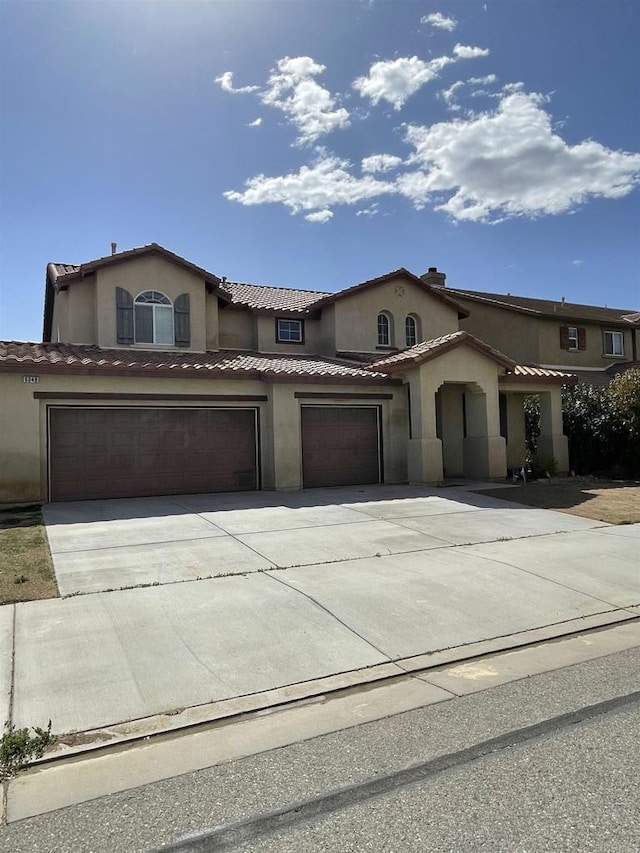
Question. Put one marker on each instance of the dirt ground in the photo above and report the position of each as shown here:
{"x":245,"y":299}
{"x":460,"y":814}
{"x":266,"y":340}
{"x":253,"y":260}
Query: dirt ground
{"x":604,"y":500}
{"x":26,"y":570}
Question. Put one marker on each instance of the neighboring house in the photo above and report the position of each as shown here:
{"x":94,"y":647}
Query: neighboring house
{"x":593,"y":343}
{"x":158,"y":377}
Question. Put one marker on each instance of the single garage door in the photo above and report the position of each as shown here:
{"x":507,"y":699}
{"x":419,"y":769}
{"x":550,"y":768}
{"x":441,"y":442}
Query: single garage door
{"x":124,"y":452}
{"x":340,"y":445}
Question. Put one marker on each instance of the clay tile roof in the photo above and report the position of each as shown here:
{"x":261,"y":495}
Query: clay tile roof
{"x":530,"y":373}
{"x":437,"y":346}
{"x":263,"y":298}
{"x":68,"y":358}
{"x":549,"y":308}
{"x":63,"y":269}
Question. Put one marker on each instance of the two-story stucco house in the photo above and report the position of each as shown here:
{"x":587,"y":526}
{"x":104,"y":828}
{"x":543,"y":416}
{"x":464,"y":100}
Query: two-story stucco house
{"x":592,"y":342}
{"x":158,"y":377}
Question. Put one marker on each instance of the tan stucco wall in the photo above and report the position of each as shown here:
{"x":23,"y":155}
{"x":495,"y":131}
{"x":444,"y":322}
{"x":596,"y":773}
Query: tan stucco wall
{"x":592,"y":356}
{"x":23,"y":423}
{"x":510,"y":333}
{"x":74,"y":313}
{"x":356,"y":315}
{"x":483,"y":449}
{"x":237,"y":329}
{"x":151,"y":273}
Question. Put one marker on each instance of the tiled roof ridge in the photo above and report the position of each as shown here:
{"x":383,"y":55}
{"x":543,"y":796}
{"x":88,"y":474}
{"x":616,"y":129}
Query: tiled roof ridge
{"x":543,"y":304}
{"x":436,"y":346}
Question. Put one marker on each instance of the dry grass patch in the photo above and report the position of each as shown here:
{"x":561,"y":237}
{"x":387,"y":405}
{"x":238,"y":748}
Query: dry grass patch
{"x":26,"y":569}
{"x":603,"y":500}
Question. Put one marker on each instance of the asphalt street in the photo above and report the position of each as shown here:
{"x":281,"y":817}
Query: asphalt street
{"x":571,"y":788}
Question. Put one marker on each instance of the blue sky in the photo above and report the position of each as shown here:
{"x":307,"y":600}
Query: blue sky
{"x":319,"y":143}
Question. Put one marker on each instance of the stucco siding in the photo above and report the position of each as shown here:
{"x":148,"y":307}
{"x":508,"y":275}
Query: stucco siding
{"x":150,"y":273}
{"x":592,"y":356}
{"x":513,"y":334}
{"x":23,"y":421}
{"x":237,"y":329}
{"x":356,"y":315}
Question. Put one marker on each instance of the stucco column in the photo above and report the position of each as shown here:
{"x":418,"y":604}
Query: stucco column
{"x":551,"y":441}
{"x":281,"y":441}
{"x":516,"y":435}
{"x":425,"y":448}
{"x":484,"y":449}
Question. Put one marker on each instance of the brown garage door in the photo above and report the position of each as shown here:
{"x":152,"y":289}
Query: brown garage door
{"x":121,"y":452}
{"x":340,"y":445}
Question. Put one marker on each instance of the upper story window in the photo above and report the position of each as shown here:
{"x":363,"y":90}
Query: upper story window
{"x":573,"y":338}
{"x":613,"y":343}
{"x":384,"y":331}
{"x":289,"y":331}
{"x":411,"y":331}
{"x":153,"y":318}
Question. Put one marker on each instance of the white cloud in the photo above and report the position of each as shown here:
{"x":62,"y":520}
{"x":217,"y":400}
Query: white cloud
{"x":380,"y":163}
{"x":256,"y":123}
{"x":509,"y":163}
{"x":326,"y":183}
{"x":395,"y":80}
{"x":439,"y":21}
{"x":578,"y":262}
{"x":321,"y":216}
{"x":463,"y":51}
{"x":482,"y":81}
{"x":369,"y":211}
{"x":449,"y":95}
{"x":226,"y":84}
{"x":309,"y":106}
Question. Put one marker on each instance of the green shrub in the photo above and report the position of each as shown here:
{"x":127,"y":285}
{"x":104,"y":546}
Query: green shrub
{"x":18,"y":748}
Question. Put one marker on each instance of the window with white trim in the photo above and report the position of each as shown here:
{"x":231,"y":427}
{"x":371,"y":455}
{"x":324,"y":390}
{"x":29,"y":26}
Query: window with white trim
{"x":411,"y":331}
{"x":384,"y":336}
{"x":572,"y":337}
{"x":613,"y":343}
{"x":153,"y":318}
{"x":289,"y":331}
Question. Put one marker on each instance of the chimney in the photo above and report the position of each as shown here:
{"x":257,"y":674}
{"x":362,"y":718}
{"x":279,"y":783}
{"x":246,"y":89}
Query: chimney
{"x":114,"y":248}
{"x":432,"y":276}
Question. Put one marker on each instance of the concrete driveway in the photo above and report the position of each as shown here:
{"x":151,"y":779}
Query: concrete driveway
{"x":218,"y":597}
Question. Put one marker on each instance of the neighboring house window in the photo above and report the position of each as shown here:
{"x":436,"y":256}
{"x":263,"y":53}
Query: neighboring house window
{"x":289,"y":331}
{"x":411,"y":331}
{"x":384,"y":335}
{"x":613,"y":343}
{"x":573,"y":338}
{"x":153,"y":318}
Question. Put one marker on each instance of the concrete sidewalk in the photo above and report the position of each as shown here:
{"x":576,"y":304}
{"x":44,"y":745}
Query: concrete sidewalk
{"x":320,"y":596}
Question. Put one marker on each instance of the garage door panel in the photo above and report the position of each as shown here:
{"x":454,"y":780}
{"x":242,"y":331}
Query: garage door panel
{"x":101,"y":453}
{"x":340,"y":445}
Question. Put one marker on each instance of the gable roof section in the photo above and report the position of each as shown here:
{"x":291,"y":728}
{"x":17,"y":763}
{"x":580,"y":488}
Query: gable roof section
{"x":66,"y":273}
{"x":59,"y":276}
{"x":550,"y":308}
{"x":70,"y":359}
{"x":401,"y":272}
{"x":427,"y":350}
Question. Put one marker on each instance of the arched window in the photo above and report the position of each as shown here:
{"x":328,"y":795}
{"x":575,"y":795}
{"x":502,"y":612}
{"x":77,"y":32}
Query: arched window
{"x":411,"y":331}
{"x":153,"y":318}
{"x":384,"y":336}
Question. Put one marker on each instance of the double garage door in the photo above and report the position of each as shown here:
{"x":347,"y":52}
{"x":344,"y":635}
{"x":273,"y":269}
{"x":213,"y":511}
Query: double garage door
{"x":128,"y":452}
{"x":121,"y":452}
